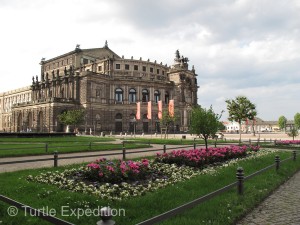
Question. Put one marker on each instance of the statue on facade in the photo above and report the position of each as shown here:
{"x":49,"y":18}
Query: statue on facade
{"x":71,"y":70}
{"x":177,"y":54}
{"x":52,"y":74}
{"x":33,"y":79}
{"x":65,"y":71}
{"x":47,"y":76}
{"x":37,"y":78}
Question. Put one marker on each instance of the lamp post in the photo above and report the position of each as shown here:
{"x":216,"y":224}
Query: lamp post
{"x":134,"y":126}
{"x":85,"y":118}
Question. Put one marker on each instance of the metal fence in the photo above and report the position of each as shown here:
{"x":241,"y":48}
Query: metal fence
{"x":106,"y":217}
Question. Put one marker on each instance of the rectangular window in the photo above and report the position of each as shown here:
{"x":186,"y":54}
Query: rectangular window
{"x":136,"y":67}
{"x":151,"y":69}
{"x":85,"y":61}
{"x":126,"y":66}
{"x":157,"y":71}
{"x":99,"y":68}
{"x":118,"y":66}
{"x":144,"y":68}
{"x":163,"y":72}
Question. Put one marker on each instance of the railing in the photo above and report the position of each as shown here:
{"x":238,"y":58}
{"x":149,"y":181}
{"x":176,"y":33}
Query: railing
{"x":106,"y":217}
{"x":105,"y":213}
{"x":122,"y":151}
{"x":240,"y":190}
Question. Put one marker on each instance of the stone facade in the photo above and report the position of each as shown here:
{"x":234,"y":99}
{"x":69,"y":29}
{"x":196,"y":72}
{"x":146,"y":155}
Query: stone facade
{"x":107,"y":86}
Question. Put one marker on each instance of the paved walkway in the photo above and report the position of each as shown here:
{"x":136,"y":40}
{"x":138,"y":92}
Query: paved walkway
{"x":93,"y":156}
{"x":280,"y":208}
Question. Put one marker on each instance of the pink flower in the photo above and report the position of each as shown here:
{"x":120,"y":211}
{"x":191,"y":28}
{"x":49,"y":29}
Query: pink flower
{"x":110,"y":168}
{"x":93,"y":166}
{"x":145,"y":162}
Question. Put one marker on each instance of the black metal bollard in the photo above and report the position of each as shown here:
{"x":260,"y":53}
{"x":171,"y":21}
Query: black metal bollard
{"x":123,"y":144}
{"x":46,"y":147}
{"x":165,"y":149}
{"x":195,"y":143}
{"x":124,"y":153}
{"x":90,"y":146}
{"x":55,"y":158}
{"x":240,"y":180}
{"x":277,"y":162}
{"x":294,"y":155}
{"x":106,"y":217}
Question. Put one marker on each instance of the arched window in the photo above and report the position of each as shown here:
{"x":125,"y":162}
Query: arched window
{"x":118,"y":116}
{"x":167,"y":97}
{"x":156,"y":96}
{"x":145,"y":95}
{"x":119,"y":95}
{"x":132,"y":95}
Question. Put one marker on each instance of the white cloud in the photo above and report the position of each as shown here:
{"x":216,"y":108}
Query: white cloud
{"x":248,"y":47}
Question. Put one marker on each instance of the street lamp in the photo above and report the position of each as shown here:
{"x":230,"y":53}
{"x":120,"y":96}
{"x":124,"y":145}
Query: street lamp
{"x":134,"y":126}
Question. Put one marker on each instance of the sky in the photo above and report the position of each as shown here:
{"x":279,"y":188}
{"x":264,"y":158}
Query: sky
{"x":238,"y":47}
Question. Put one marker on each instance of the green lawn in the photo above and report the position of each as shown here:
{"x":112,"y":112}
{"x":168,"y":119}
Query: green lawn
{"x":175,"y":141}
{"x":42,"y":146}
{"x":223,"y":209}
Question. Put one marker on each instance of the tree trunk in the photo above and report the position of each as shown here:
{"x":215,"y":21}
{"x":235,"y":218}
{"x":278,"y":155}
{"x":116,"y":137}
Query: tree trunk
{"x":253,"y":128}
{"x":240,"y":131}
{"x":205,"y":139}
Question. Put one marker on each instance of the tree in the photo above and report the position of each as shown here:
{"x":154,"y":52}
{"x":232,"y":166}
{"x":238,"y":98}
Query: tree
{"x":204,"y":122}
{"x":282,"y":122}
{"x":293,"y":133}
{"x":72,"y":117}
{"x":221,"y":126}
{"x":297,"y":121}
{"x":253,"y":114}
{"x":240,"y":109}
{"x":167,"y":120}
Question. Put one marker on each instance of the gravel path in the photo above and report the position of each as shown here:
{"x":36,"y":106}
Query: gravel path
{"x":88,"y":157}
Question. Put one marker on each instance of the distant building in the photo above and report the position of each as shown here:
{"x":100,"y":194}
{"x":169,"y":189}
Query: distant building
{"x":258,"y":124}
{"x":231,"y":127}
{"x":107,"y":86}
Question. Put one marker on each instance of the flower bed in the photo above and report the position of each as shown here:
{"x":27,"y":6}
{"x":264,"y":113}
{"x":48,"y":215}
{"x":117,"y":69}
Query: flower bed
{"x":77,"y":180}
{"x":116,"y":172}
{"x":202,"y":157}
{"x":288,"y":142}
{"x":117,"y":180}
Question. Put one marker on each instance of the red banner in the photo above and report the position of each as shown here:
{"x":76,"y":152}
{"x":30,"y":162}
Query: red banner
{"x":138,"y":110}
{"x":149,"y":114}
{"x":159,"y":109}
{"x":171,"y":108}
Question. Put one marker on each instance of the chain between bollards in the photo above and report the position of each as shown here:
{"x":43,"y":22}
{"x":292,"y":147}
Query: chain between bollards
{"x":240,"y":180}
{"x":55,"y":158}
{"x":277,"y":162}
